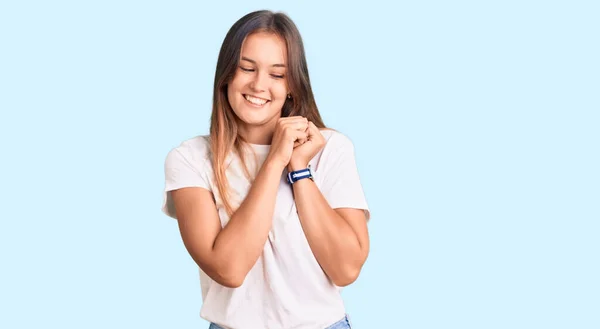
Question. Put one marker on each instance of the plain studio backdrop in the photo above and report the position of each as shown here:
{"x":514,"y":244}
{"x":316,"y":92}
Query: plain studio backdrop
{"x":477,"y":134}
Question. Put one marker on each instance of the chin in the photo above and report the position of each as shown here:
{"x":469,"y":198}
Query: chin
{"x":257,"y":116}
{"x":255,"y":119}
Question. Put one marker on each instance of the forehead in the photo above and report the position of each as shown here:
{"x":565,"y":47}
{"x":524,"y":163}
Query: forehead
{"x":264,"y":48}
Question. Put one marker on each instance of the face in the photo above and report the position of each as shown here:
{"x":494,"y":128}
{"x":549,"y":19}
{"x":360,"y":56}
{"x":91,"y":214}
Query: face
{"x":259,"y":89}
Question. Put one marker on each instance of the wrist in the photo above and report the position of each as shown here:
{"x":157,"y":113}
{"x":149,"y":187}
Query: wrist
{"x":274,"y":165}
{"x":296,"y":165}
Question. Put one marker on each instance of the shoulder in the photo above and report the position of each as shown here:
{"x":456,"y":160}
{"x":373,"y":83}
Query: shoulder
{"x":336,"y":139}
{"x":198,"y":145}
{"x":195,"y":151}
{"x":338,"y":147}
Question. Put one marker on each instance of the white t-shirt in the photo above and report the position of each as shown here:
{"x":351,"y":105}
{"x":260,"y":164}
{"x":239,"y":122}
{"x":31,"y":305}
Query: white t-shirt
{"x":286,"y":288}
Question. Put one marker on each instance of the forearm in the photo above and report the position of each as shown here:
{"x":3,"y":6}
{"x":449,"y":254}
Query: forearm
{"x":332,"y":240}
{"x":241,"y":241}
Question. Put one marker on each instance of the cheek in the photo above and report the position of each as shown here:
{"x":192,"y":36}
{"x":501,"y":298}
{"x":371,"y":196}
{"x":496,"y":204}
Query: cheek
{"x":231,"y":94}
{"x":234,"y":88}
{"x":280,"y":91}
{"x":238,"y":81}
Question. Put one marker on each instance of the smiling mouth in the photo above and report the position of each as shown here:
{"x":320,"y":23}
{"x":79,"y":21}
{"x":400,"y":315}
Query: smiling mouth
{"x":256,"y":101}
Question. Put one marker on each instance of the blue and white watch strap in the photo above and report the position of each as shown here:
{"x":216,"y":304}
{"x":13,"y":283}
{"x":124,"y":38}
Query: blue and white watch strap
{"x":297,"y":175}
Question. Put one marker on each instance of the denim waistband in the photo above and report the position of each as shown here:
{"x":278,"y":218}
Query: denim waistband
{"x":341,"y":324}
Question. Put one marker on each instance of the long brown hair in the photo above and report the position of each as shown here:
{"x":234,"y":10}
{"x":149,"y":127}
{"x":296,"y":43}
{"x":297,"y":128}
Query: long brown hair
{"x":224,"y":137}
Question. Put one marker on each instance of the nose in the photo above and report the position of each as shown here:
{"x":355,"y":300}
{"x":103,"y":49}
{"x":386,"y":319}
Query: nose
{"x":259,"y":82}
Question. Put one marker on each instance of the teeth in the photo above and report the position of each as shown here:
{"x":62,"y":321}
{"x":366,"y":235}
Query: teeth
{"x":256,"y":100}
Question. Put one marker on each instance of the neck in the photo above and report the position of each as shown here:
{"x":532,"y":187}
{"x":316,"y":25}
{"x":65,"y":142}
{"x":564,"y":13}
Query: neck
{"x":261,"y":135}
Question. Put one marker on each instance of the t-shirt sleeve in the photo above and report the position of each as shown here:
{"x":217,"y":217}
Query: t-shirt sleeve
{"x":341,"y":185}
{"x":180,"y":172}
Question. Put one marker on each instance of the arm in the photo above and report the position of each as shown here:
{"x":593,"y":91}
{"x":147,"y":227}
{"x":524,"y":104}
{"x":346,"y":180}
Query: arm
{"x":228,"y":254}
{"x":338,"y":238}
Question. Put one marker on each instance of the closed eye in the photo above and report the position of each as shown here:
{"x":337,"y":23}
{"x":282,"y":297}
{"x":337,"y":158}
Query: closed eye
{"x":276,"y":76}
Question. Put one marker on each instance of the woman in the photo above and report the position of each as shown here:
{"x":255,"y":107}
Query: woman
{"x":270,"y":204}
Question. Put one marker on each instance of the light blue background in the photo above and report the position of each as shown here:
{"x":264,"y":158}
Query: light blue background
{"x":476,"y":126}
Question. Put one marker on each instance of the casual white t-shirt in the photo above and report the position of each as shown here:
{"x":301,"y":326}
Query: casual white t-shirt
{"x":286,"y":288}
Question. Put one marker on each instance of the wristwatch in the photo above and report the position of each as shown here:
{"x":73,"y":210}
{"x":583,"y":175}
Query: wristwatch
{"x":297,"y":175}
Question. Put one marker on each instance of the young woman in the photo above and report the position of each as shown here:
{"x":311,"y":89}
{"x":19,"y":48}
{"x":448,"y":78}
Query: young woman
{"x":270,"y":204}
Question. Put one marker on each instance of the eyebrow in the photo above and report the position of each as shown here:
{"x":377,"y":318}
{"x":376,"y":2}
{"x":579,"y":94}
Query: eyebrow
{"x":254,"y":62}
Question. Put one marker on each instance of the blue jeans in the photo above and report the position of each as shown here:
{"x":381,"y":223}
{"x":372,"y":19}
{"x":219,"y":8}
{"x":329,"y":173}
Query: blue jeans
{"x":342,"y":324}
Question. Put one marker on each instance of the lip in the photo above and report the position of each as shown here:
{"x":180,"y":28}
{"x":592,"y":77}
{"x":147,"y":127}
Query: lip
{"x":244,"y":95}
{"x":252,"y":104}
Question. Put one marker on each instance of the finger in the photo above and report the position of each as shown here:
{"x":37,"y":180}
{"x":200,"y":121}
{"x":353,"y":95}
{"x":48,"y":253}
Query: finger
{"x":300,"y":137}
{"x":294,"y":118}
{"x":304,"y":137}
{"x":295,"y":135}
{"x":311,"y":129}
{"x":315,"y":135}
{"x":296,"y":125}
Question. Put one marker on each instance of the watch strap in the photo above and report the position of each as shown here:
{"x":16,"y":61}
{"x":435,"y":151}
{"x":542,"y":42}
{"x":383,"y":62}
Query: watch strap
{"x":297,"y":175}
